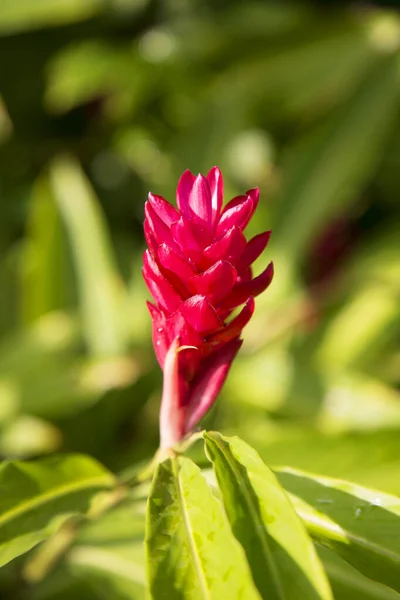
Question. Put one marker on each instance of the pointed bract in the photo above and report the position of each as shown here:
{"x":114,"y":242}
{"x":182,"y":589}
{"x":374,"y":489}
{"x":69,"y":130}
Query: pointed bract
{"x":216,"y":183}
{"x":175,"y":263}
{"x":187,"y":242}
{"x":159,"y":334}
{"x":183,"y":191}
{"x":243,"y":290}
{"x":216,"y":283}
{"x":201,"y":315}
{"x":229,"y":247}
{"x":254,"y":248}
{"x":164,"y":209}
{"x":157,"y":228}
{"x":235,"y":327}
{"x":209,"y":382}
{"x":163,"y":292}
{"x":172,"y":426}
{"x":238,"y":212}
{"x":200,"y":202}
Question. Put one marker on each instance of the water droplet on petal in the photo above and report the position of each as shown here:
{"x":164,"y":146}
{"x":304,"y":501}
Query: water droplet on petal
{"x":160,"y":329}
{"x":158,"y":343}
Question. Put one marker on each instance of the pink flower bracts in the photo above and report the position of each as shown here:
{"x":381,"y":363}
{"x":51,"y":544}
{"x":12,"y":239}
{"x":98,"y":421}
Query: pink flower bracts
{"x":198,"y":270}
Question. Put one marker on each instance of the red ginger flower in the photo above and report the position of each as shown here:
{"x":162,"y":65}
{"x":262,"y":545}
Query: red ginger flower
{"x":198,"y":269}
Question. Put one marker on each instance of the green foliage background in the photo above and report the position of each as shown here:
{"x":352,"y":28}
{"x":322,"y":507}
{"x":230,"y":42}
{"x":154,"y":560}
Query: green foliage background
{"x":104,"y":100}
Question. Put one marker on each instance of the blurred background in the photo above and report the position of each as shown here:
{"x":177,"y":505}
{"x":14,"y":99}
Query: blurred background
{"x":104,"y":100}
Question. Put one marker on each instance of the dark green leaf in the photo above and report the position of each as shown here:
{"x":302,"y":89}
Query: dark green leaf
{"x":348,"y":584}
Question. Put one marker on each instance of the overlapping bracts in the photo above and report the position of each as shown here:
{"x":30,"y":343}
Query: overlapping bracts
{"x":198,"y":270}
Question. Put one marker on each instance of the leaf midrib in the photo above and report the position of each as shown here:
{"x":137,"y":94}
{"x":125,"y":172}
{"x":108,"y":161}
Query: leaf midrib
{"x":192,"y":545}
{"x":253,"y":513}
{"x":64,"y":490}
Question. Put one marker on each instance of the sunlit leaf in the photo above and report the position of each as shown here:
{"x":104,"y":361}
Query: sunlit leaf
{"x":191,"y":552}
{"x":280,"y":553}
{"x":361,"y":525}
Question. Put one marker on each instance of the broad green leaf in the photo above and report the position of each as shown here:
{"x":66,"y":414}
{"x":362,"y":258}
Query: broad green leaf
{"x":191,"y":552}
{"x":100,"y":287}
{"x":361,"y":525}
{"x":348,"y":583}
{"x":341,"y":456}
{"x":280,"y":554}
{"x":38,"y":496}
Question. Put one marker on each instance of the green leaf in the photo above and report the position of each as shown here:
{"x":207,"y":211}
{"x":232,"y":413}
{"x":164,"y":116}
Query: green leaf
{"x":38,"y":497}
{"x":101,"y":289}
{"x":20,"y":15}
{"x":347,"y":583}
{"x":280,"y":553}
{"x":361,"y":525}
{"x":191,"y":552}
